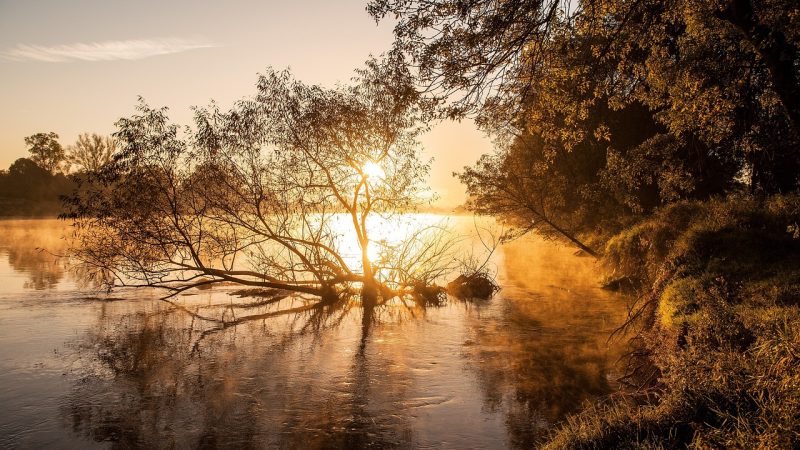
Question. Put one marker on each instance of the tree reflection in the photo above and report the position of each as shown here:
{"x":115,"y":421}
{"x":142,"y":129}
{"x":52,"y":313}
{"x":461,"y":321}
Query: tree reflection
{"x":541,"y":351}
{"x":272,"y":369}
{"x":534,"y":376}
{"x":30,"y":246}
{"x":270,"y":381}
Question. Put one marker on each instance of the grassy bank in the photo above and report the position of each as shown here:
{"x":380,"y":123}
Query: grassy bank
{"x":718,"y":326}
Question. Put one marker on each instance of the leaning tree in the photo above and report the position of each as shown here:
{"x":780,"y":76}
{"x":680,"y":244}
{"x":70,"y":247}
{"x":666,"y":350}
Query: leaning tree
{"x":266,"y":193}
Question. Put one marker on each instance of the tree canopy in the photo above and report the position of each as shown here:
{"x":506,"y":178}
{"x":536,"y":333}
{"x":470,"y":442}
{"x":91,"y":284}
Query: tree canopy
{"x":613,"y":107}
{"x":90,"y":152}
{"x":27,"y":189}
{"x":46,"y":151}
{"x":34,"y":186}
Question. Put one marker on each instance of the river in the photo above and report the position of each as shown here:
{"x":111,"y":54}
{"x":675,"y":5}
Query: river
{"x":83,"y":368}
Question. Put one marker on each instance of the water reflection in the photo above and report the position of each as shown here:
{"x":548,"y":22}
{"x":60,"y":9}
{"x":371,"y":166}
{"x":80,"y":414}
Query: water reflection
{"x":526,"y":371}
{"x":219,"y":369}
{"x":290,"y":382}
{"x":29,"y":247}
{"x":541,"y":351}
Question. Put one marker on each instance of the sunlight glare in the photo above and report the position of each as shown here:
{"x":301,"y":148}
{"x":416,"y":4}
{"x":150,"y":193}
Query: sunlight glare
{"x":373,"y":251}
{"x":373,"y":170}
{"x":384,"y":233}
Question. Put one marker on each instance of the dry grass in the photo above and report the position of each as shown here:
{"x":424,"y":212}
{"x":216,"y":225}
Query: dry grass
{"x":721,"y":324}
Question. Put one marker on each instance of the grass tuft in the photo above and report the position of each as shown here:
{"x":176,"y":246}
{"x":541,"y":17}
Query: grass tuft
{"x":721,"y":324}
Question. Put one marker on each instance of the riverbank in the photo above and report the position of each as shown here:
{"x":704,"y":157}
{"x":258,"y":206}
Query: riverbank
{"x":718,"y":330}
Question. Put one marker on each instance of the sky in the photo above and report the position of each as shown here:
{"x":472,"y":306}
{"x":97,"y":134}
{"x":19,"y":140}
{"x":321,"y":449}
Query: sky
{"x":73,"y":66}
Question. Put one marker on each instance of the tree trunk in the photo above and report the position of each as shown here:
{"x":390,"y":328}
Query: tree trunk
{"x":369,"y":287}
{"x":572,"y":238}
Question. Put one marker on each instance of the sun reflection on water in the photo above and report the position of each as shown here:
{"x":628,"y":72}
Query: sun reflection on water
{"x":132,"y":372}
{"x":385,"y":233}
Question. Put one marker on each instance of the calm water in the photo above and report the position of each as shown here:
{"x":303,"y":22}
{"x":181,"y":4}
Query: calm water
{"x":82,"y":369}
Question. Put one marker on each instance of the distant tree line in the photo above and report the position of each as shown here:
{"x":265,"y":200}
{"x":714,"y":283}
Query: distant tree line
{"x":33,"y":186}
{"x":605,"y":110}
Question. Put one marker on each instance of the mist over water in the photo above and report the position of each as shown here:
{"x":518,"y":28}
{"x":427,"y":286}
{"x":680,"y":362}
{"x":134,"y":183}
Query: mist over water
{"x":82,"y":368}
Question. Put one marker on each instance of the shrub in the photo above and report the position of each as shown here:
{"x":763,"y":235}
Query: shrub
{"x":721,"y":326}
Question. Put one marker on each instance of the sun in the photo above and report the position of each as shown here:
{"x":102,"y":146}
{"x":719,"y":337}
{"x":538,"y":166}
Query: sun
{"x":372,"y":170}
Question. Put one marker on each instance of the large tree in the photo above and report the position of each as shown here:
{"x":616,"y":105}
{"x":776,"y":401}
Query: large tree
{"x":261,"y":194}
{"x":90,"y":152}
{"x":634,"y":103}
{"x":46,"y":151}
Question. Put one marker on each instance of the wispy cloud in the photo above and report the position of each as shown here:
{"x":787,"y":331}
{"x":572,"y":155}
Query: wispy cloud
{"x":104,"y":51}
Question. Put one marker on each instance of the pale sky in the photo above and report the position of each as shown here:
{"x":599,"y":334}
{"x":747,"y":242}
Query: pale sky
{"x":73,"y":66}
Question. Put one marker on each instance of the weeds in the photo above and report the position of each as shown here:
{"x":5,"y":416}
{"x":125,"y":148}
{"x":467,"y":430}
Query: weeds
{"x":719,"y":322}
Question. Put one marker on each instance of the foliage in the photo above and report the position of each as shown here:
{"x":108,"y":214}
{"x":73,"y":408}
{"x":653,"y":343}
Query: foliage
{"x":90,"y":152}
{"x":27,"y":189}
{"x":45,"y":151}
{"x":721,"y":324}
{"x":34,"y":186}
{"x":605,"y":110}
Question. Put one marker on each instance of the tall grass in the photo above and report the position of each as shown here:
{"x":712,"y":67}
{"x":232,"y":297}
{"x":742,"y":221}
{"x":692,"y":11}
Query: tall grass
{"x":719,"y":321}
